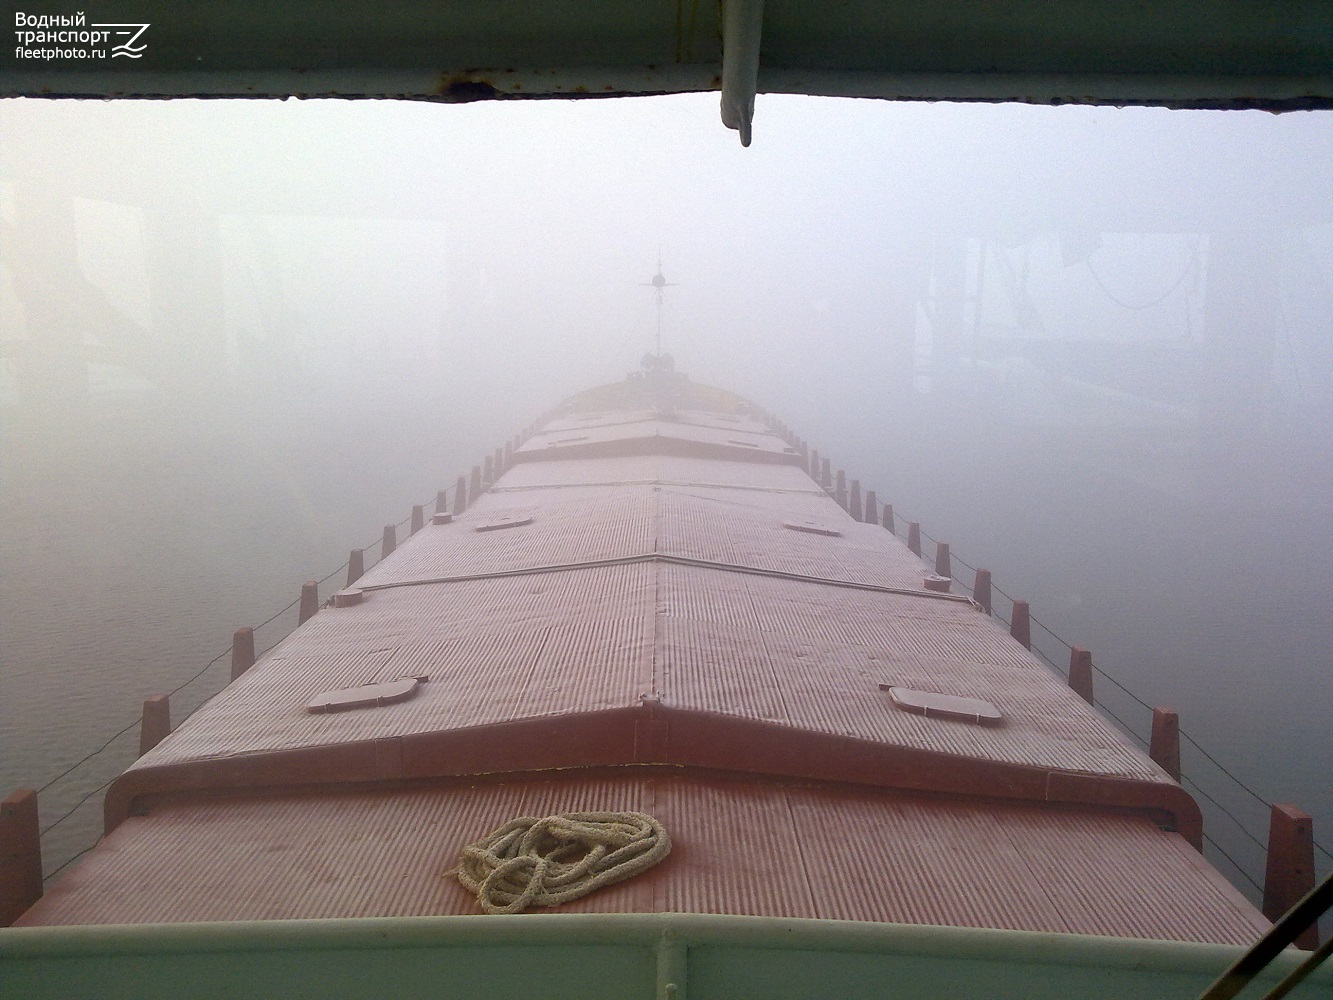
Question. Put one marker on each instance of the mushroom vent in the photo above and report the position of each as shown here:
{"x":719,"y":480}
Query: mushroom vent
{"x":948,"y":706}
{"x":812,"y":528}
{"x":507,"y":521}
{"x":365,"y":696}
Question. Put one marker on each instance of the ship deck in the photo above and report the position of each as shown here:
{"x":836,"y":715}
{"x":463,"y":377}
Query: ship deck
{"x":664,"y":614}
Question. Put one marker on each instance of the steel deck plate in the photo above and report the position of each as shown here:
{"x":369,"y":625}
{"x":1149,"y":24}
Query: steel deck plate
{"x":765,"y":848}
{"x":656,"y":611}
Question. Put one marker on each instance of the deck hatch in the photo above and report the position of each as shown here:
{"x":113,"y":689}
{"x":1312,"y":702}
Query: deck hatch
{"x":365,"y":696}
{"x":949,"y":706}
{"x":510,"y":521}
{"x":813,"y":528}
{"x":348,"y":597}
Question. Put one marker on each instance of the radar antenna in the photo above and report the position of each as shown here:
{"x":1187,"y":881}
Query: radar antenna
{"x":658,"y":284}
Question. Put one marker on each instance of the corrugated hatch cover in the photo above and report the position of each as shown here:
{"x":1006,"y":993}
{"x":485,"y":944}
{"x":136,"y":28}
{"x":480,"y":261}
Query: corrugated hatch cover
{"x":656,"y":611}
{"x":743,"y":847}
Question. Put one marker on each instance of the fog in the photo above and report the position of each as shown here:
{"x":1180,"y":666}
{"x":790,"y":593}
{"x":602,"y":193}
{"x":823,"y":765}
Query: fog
{"x":1090,"y":348}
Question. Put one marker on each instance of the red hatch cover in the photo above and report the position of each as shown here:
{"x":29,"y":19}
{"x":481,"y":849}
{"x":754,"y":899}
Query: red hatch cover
{"x":950,"y":706}
{"x":511,"y":521}
{"x":366,"y":696}
{"x":813,"y":527}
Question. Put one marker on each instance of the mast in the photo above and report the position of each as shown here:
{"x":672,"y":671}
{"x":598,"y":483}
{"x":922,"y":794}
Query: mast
{"x":659,"y":283}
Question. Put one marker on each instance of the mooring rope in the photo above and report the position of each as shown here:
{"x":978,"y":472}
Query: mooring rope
{"x":552,"y":860}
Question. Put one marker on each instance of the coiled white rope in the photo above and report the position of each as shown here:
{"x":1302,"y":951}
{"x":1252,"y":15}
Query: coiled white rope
{"x":551,"y":860}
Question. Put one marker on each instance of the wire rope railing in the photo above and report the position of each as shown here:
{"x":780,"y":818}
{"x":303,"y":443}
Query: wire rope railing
{"x":441,"y":499}
{"x":819,"y":467}
{"x":1101,"y":705}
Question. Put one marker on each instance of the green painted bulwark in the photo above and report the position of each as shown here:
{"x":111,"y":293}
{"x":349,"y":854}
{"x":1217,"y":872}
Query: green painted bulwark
{"x":686,"y":957}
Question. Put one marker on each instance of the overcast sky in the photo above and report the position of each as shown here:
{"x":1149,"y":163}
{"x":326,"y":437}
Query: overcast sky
{"x":514,"y":230}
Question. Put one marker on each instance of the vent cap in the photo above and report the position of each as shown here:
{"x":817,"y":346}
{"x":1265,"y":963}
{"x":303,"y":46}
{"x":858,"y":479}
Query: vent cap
{"x":348,"y":597}
{"x":813,"y":528}
{"x":365,"y":696}
{"x":507,"y":521}
{"x":949,"y":706}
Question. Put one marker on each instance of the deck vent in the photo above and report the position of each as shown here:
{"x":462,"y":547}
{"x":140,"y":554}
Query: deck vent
{"x":442,"y":517}
{"x":510,"y":521}
{"x":813,"y":528}
{"x":349,"y":597}
{"x":937,"y":583}
{"x":747,"y":444}
{"x":948,"y":706}
{"x":365,"y":696}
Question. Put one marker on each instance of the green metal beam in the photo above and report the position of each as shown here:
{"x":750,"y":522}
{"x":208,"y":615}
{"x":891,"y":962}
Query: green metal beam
{"x":682,"y":956}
